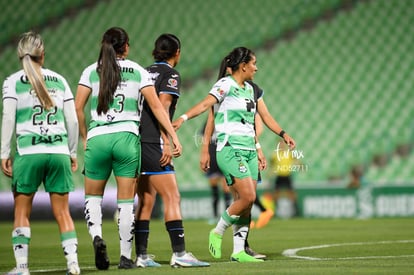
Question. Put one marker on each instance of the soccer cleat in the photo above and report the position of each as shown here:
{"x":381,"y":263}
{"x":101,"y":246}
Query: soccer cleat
{"x":243,"y":257}
{"x":147,"y":261}
{"x":101,"y":256}
{"x":214,"y":244}
{"x":125,"y":263}
{"x":254,"y":254}
{"x":187,"y":260}
{"x":73,"y":269}
{"x":264,"y":218}
{"x":18,"y":271}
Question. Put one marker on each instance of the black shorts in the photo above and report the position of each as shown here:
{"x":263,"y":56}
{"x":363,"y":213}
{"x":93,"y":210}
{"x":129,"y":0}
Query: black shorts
{"x":283,"y":182}
{"x":150,"y":160}
{"x":214,"y":170}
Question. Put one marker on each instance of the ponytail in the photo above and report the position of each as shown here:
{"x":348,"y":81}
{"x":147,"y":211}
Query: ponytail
{"x":233,"y":60}
{"x":114,"y":43}
{"x":109,"y":77}
{"x":30,"y":51}
{"x":223,"y":68}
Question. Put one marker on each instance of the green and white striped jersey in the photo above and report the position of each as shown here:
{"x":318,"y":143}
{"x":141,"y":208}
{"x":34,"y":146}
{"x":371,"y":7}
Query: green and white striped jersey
{"x":124,"y":114}
{"x":39,"y":130}
{"x":234,"y":114}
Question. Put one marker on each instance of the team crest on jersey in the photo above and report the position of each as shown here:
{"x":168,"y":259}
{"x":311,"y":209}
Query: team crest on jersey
{"x":242,"y":168}
{"x":172,"y":83}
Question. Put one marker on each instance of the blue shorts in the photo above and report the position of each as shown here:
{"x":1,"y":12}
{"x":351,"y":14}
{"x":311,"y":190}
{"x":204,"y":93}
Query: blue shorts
{"x":150,"y":159}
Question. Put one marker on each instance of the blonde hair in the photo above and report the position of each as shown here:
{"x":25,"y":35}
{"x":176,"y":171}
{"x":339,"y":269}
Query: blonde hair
{"x":30,"y":51}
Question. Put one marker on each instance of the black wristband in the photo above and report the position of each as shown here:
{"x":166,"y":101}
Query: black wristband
{"x":282,"y":133}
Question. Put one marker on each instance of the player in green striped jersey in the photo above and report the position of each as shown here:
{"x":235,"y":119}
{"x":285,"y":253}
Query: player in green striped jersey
{"x":237,"y":158}
{"x":37,"y":103}
{"x":117,"y":87}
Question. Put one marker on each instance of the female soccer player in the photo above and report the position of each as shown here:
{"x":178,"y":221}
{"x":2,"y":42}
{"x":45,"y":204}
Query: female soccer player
{"x":236,"y":146}
{"x":37,"y":103}
{"x":112,"y":142}
{"x":157,"y":171}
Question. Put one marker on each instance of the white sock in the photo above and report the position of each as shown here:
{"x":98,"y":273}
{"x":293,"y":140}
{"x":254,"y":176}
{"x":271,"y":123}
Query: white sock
{"x":21,"y":240}
{"x":239,"y":237}
{"x":225,"y":222}
{"x":70,"y":246}
{"x":126,"y":226}
{"x":93,"y":215}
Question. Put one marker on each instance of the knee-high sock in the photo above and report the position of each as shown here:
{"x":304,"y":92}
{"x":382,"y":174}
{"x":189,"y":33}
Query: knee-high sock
{"x":126,"y":226}
{"x":240,"y":232}
{"x":20,"y":241}
{"x":246,"y":243}
{"x":70,"y":246}
{"x":93,"y":215}
{"x":176,"y":231}
{"x":141,"y":237}
{"x":225,"y":222}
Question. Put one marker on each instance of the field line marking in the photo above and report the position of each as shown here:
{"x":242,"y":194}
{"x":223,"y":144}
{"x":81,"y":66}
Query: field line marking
{"x":61,"y":269}
{"x":292,"y":253}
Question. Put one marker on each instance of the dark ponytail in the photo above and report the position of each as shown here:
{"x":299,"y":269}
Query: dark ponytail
{"x":233,"y":60}
{"x":114,"y":42}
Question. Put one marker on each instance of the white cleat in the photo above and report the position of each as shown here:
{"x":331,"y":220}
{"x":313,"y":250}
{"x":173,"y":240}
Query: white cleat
{"x":18,"y":271}
{"x":187,"y":260}
{"x":147,"y":261}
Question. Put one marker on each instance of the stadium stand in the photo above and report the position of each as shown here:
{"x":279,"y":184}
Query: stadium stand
{"x":14,"y":19}
{"x":338,"y":75}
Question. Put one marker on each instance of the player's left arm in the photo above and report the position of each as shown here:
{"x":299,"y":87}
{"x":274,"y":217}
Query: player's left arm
{"x":272,"y":124}
{"x":258,"y":126}
{"x":166,"y":101}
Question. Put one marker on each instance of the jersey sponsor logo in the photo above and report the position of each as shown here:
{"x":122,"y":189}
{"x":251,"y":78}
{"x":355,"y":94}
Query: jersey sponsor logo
{"x":24,"y":79}
{"x":174,"y":75}
{"x":172,"y":83}
{"x":127,"y":70}
{"x":154,"y":76}
{"x":46,"y":139}
{"x":250,"y":105}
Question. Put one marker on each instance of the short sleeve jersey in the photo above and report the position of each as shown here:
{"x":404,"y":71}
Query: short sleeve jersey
{"x":167,"y":81}
{"x":124,"y":113}
{"x":39,"y":131}
{"x":258,"y":92}
{"x":234,"y":114}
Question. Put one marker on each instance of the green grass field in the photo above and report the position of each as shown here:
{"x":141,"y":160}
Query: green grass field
{"x":323,"y":246}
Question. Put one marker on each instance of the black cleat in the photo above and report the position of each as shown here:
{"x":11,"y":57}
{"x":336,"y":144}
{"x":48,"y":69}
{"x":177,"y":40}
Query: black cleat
{"x":101,"y":257}
{"x":125,"y":263}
